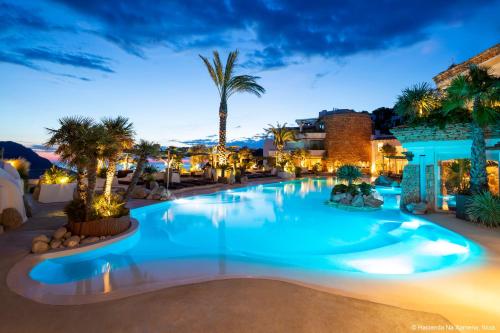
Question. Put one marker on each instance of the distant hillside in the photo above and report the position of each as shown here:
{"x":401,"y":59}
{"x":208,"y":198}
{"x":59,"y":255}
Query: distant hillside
{"x":15,"y":150}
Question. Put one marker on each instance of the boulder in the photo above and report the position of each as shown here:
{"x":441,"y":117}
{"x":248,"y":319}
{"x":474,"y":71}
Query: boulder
{"x":358,"y":201}
{"x":39,"y":247}
{"x":140,"y":193}
{"x":345,"y":201}
{"x":55,"y":243}
{"x":41,"y":238}
{"x":155,"y":189}
{"x":383,"y":181}
{"x":11,"y":219}
{"x":370,"y":201}
{"x":338,"y":197}
{"x":89,"y":240}
{"x":72,"y":241}
{"x":395,"y":184}
{"x":59,"y":233}
{"x":67,"y":235}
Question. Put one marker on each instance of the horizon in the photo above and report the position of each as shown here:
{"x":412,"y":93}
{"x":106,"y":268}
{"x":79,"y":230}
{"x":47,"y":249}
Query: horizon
{"x":62,"y":58}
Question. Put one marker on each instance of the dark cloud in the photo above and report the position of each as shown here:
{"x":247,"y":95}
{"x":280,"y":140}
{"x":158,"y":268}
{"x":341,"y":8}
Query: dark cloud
{"x":272,"y":33}
{"x":282,"y":30}
{"x":84,"y":60}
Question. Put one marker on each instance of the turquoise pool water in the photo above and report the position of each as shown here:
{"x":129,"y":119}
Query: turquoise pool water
{"x":276,"y":225}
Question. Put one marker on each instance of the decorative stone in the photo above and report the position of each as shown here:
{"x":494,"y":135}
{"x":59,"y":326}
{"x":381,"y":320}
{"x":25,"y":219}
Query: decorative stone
{"x":67,"y":235}
{"x":358,"y":201}
{"x":59,"y":233}
{"x":370,"y":201}
{"x":11,"y":219}
{"x":72,"y":241}
{"x":55,"y":243}
{"x":41,"y":238}
{"x":140,"y":193}
{"x":39,"y":247}
{"x":338,"y":197}
{"x":383,"y":181}
{"x":155,"y":188}
{"x":89,"y":240}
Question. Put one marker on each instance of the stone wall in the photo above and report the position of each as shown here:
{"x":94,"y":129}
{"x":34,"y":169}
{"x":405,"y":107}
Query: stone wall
{"x":460,"y":131}
{"x":348,"y":138}
{"x":410,"y":184}
{"x":430,"y":187}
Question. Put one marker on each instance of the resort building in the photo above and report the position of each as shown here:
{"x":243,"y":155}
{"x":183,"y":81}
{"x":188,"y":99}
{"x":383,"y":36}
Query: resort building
{"x":489,"y":58}
{"x":344,"y":136}
{"x":441,"y":157}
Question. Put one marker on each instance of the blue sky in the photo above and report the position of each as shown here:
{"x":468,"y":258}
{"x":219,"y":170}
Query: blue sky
{"x":140,"y":59}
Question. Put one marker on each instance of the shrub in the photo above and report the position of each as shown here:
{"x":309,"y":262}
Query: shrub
{"x":352,"y":189}
{"x":101,"y":173}
{"x":317,"y":167}
{"x":348,"y":172}
{"x":365,"y":188}
{"x":339,"y":188}
{"x":298,"y":171}
{"x":75,"y":210}
{"x":484,"y":208}
{"x":149,"y":168}
{"x":22,"y":166}
{"x":112,"y":207}
{"x":54,"y":175}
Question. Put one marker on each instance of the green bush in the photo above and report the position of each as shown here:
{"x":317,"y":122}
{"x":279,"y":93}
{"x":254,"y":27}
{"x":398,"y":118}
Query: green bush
{"x":484,"y":208}
{"x":112,"y":207}
{"x":339,"y":188}
{"x":353,"y":189}
{"x":75,"y":210}
{"x":149,"y":168}
{"x":55,"y":175}
{"x":365,"y":188}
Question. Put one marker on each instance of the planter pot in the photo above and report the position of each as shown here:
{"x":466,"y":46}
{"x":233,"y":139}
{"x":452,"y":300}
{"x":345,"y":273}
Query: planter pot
{"x":104,"y":227}
{"x":462,"y":200}
{"x":56,"y":192}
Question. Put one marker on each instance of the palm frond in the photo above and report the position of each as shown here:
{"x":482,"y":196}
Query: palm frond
{"x":245,"y":83}
{"x":211,"y":71}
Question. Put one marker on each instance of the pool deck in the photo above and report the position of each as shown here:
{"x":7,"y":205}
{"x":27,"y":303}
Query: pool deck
{"x":466,"y":297}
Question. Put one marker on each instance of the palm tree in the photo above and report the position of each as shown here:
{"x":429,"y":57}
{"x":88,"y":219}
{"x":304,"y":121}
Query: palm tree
{"x":478,"y":92}
{"x":417,"y":101}
{"x":121,"y":134}
{"x":281,"y":135}
{"x":227,"y":84}
{"x":302,"y":155}
{"x":348,"y":172}
{"x":69,"y":139}
{"x":143,"y":150}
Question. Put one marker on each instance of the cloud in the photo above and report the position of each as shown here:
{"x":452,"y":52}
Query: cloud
{"x":85,"y":60}
{"x":281,"y":30}
{"x":271,"y":33}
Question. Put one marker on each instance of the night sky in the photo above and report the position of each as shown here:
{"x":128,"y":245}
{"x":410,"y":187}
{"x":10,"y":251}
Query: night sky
{"x":140,"y":59}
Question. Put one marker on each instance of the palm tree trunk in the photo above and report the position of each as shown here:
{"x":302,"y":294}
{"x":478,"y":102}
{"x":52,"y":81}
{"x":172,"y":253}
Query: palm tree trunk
{"x":92,"y":180}
{"x":221,"y":148}
{"x":478,"y":175}
{"x":110,"y":175}
{"x":135,"y":178}
{"x":80,"y":185}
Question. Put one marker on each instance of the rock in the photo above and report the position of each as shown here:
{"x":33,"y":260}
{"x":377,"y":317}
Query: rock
{"x":41,"y":238}
{"x":383,"y":181}
{"x":395,"y":184}
{"x":338,"y":197}
{"x":55,"y":243}
{"x":358,"y":201}
{"x":67,"y":235}
{"x":59,"y":233}
{"x":417,"y":208}
{"x":345,"y":201}
{"x":11,"y":219}
{"x":155,"y":189}
{"x":89,"y":240}
{"x":370,"y":201}
{"x":102,"y":237}
{"x":39,"y":247}
{"x":140,"y":193}
{"x":72,"y":241}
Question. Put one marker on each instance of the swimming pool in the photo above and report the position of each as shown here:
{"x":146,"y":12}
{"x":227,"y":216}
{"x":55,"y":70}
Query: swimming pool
{"x":262,"y":230}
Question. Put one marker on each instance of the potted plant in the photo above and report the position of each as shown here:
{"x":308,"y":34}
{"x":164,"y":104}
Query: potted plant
{"x":462,"y":198}
{"x":484,"y":207}
{"x":56,"y":185}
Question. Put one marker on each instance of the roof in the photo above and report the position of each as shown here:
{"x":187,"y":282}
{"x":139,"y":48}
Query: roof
{"x":462,"y":67}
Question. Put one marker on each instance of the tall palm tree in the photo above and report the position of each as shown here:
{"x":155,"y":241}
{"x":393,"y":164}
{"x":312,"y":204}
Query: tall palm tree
{"x":227,"y":84}
{"x":478,"y":92}
{"x":69,"y":139}
{"x":121,"y":134}
{"x":417,"y":101}
{"x":143,"y":150}
{"x":281,"y":135}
